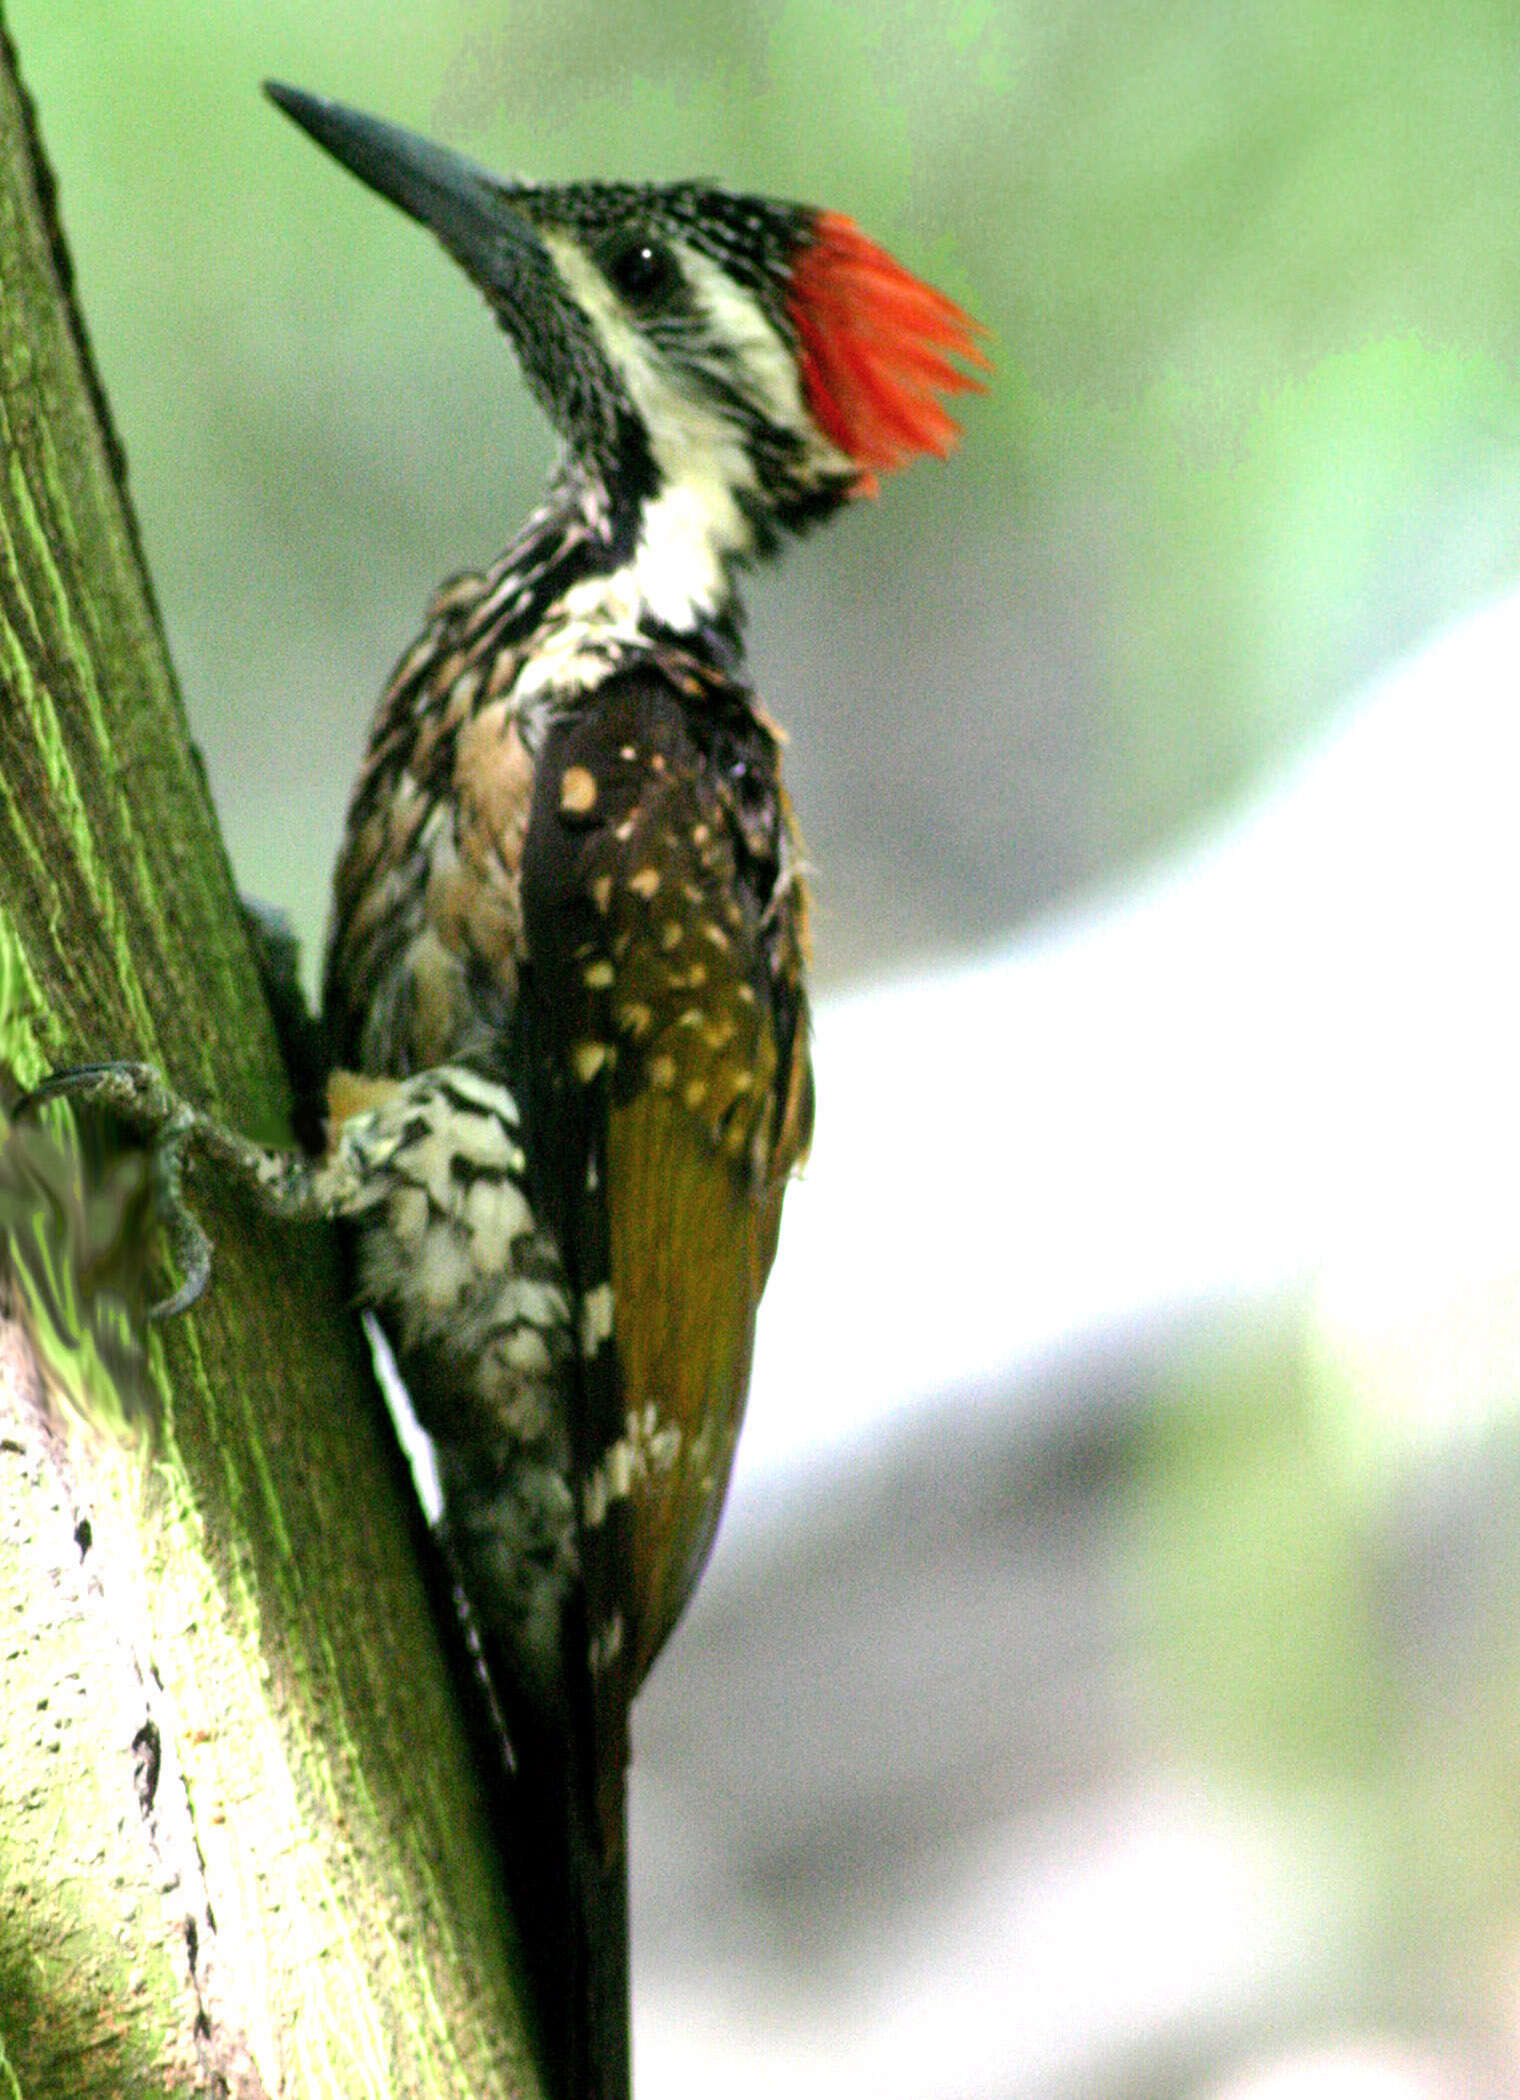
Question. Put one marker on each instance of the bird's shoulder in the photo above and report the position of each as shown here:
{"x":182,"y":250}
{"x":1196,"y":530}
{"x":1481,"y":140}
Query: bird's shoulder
{"x":664,"y":909}
{"x":636,"y":817}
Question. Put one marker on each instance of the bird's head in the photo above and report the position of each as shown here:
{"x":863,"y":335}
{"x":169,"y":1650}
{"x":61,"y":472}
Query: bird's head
{"x":720,"y":367}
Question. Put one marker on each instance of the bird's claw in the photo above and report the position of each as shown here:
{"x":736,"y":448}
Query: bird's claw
{"x":139,"y":1095}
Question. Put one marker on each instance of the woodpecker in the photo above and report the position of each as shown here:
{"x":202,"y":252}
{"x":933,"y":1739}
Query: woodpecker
{"x":564,"y":1007}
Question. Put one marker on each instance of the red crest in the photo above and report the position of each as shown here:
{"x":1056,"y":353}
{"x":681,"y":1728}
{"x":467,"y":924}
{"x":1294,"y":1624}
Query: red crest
{"x":872,"y":341}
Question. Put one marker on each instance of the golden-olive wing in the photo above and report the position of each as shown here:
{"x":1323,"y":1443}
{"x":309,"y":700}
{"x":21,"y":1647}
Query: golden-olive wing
{"x":663,"y":1009}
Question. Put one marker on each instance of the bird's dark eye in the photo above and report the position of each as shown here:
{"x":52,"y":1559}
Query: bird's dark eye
{"x":640,"y":270}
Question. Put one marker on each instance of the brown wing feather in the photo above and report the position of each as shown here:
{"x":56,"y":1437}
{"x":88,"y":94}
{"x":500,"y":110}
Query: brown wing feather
{"x":664,"y":926}
{"x":615,"y":925}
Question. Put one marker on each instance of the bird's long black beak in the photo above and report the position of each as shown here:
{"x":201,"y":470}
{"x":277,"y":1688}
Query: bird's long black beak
{"x":469,"y":210}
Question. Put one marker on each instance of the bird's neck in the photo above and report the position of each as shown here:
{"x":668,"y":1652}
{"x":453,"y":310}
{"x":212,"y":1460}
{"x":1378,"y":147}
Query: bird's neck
{"x":585,"y":589}
{"x":685,"y":532}
{"x":661,"y":559}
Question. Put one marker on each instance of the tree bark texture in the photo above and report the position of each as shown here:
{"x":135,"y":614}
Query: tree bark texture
{"x":243,"y":1849}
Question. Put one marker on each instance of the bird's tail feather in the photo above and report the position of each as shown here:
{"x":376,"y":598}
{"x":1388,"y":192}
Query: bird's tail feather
{"x":567,"y":1875}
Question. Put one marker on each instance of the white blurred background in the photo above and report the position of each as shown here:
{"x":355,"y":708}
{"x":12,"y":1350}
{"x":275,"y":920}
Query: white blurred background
{"x":1045,"y":1729}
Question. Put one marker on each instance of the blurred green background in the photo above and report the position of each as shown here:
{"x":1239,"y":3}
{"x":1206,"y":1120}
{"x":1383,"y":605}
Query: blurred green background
{"x":1252,"y":276}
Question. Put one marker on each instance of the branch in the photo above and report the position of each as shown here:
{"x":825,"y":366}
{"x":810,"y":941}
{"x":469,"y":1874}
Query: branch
{"x":242,"y":1846}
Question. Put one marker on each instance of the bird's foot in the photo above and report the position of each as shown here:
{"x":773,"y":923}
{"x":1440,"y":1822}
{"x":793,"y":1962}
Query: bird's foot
{"x":138,"y":1096}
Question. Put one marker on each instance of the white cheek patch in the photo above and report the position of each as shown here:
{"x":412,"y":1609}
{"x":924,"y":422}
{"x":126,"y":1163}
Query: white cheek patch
{"x":769,"y":366}
{"x":695,"y":525}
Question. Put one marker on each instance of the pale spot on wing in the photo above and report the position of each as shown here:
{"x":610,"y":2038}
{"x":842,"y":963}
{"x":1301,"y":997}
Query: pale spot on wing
{"x":588,"y":1059}
{"x":596,"y":1318}
{"x":647,"y":1447}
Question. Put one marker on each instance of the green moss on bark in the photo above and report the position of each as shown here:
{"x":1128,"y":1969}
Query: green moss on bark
{"x":305,"y":1899}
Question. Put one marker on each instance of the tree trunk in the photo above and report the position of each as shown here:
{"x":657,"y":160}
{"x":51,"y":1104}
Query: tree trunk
{"x":243,"y":1849}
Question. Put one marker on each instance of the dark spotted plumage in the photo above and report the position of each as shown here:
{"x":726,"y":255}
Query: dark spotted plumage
{"x":586,"y":893}
{"x":664,"y":921}
{"x":570,"y":868}
{"x":564,"y":1001}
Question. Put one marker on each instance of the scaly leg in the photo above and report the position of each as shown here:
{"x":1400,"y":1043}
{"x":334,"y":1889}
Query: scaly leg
{"x":285,"y":1184}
